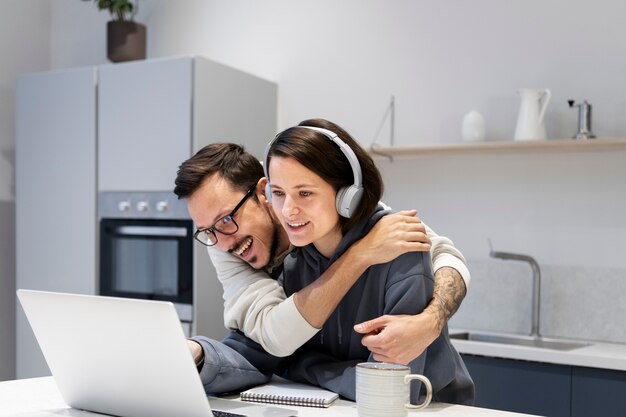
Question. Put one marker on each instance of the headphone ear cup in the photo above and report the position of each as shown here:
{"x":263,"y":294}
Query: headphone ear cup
{"x":268,"y":192}
{"x":348,"y":199}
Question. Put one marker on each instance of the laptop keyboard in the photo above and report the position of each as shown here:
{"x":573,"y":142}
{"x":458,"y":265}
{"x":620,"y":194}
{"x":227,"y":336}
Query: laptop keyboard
{"x":225,"y":414}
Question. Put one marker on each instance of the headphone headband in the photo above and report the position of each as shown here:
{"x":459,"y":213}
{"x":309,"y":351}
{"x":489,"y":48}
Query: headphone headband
{"x":348,"y":198}
{"x":347,"y":151}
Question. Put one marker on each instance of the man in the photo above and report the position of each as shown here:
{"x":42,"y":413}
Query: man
{"x":224,"y":188}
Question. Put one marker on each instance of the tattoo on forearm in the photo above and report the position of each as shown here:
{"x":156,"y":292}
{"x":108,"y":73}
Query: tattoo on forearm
{"x":449,"y":292}
{"x":437,"y":309}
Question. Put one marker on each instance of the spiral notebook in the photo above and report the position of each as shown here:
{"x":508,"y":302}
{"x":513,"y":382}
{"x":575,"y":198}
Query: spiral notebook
{"x":290,"y":393}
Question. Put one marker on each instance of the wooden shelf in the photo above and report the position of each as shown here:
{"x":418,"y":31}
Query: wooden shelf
{"x":541,"y":146}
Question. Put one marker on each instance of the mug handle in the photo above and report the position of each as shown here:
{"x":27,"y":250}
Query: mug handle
{"x":429,"y":391}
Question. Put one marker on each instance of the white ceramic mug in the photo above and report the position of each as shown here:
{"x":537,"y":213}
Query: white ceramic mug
{"x":382,"y":389}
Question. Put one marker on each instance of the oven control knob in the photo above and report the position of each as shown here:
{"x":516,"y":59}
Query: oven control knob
{"x":123,"y":206}
{"x":161,"y":206}
{"x":142,"y":206}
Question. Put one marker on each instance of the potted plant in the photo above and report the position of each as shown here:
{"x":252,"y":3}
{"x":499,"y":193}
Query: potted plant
{"x":126,"y":39}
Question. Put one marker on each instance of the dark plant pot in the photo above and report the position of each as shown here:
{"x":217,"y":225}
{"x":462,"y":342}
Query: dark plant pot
{"x":126,"y":41}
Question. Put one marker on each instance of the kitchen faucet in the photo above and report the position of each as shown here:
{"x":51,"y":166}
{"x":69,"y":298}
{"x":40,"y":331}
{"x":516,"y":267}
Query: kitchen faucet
{"x":536,"y":283}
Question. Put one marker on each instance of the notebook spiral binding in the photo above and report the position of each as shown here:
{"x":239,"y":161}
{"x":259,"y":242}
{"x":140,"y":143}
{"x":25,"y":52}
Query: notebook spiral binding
{"x":285,"y":400}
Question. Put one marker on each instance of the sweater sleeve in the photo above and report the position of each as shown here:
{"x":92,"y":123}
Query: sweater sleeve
{"x":255,"y":304}
{"x":402,"y":290}
{"x":444,"y":253}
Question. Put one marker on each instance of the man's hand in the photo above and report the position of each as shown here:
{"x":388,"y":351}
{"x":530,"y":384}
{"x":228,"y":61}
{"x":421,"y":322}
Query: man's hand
{"x":398,"y":339}
{"x":393,"y":236}
{"x":196,"y":351}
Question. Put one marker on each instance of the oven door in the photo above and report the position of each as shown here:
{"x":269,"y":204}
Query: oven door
{"x":147,"y":258}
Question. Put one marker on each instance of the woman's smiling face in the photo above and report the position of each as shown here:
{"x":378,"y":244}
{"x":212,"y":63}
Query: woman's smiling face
{"x":305,"y":205}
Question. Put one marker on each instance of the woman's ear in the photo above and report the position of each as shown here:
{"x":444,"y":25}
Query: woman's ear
{"x":260,"y":190}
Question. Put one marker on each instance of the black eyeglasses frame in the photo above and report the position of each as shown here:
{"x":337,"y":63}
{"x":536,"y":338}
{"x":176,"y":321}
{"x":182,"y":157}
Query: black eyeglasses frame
{"x":212,"y":229}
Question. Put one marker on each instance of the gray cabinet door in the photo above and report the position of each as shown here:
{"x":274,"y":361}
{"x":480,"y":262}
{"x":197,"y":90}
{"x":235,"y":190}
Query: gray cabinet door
{"x":521,"y":386}
{"x":232,"y":106}
{"x":144,"y":123}
{"x":598,"y":392}
{"x":55,"y":193}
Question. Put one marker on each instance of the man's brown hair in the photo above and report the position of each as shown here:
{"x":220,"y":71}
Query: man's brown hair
{"x":241,"y":169}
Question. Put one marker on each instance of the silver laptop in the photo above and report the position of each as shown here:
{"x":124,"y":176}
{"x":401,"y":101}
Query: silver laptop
{"x":125,"y":357}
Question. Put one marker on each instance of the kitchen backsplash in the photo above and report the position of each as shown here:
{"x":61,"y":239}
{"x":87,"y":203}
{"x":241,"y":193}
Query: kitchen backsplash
{"x":575,"y":302}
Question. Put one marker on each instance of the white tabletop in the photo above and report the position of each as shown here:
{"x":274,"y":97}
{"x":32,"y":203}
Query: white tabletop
{"x":39,"y":397}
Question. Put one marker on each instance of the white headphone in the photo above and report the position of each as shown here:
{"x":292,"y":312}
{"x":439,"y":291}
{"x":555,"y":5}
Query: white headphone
{"x":348,"y":198}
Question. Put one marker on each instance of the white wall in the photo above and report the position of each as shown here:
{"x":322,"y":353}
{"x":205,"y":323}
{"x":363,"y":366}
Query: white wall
{"x":343,"y":60}
{"x":24,"y":47}
{"x":562,"y":208}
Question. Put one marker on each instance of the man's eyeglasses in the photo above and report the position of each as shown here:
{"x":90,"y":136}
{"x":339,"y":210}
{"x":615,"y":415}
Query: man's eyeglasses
{"x":225,"y":225}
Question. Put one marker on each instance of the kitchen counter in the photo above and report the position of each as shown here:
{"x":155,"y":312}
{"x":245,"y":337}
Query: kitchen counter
{"x":39,"y":397}
{"x":596,"y":355}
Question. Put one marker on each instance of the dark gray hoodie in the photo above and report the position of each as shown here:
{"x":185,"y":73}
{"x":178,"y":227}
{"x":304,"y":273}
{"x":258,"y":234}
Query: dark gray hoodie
{"x":403,"y":286}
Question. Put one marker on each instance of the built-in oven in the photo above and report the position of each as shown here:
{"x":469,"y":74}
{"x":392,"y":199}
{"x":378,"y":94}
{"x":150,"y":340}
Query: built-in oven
{"x":146,"y":249}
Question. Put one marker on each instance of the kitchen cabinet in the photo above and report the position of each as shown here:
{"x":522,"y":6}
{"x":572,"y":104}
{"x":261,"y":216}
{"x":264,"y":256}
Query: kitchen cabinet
{"x":55,"y":183}
{"x":520,"y":386}
{"x":144,"y":129}
{"x":116,"y":127}
{"x":152,"y":115}
{"x":546,"y":389}
{"x":598,"y":392}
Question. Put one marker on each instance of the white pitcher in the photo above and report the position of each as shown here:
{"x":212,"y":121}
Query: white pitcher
{"x":532,"y":109}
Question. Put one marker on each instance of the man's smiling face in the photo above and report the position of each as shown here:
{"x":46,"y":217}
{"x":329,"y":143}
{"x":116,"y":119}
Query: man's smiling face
{"x":256,"y":240}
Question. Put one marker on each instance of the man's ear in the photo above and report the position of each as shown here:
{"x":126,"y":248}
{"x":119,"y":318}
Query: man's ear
{"x":260,"y":190}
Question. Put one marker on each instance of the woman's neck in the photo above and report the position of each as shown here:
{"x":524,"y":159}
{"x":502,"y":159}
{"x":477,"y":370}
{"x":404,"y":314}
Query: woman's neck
{"x":328,"y":244}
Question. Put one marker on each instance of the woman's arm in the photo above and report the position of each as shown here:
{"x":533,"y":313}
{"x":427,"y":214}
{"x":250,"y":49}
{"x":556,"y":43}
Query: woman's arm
{"x":401,"y":338}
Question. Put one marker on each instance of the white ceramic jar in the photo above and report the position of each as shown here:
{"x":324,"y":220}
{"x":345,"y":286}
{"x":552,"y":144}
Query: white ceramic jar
{"x":473,"y":128}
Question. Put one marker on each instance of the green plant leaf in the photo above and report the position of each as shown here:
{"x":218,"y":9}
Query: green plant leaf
{"x":119,"y":9}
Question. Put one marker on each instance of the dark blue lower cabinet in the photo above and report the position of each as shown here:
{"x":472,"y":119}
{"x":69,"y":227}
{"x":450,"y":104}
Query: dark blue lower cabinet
{"x":546,"y":389}
{"x":521,"y":386}
{"x":598,"y":392}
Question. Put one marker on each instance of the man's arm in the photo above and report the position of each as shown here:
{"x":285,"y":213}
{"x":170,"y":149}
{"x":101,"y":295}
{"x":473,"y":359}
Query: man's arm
{"x":256,"y":304}
{"x":400,"y":339}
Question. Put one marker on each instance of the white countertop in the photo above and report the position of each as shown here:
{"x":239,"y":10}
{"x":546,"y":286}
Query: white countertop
{"x":39,"y":397}
{"x":595,"y":355}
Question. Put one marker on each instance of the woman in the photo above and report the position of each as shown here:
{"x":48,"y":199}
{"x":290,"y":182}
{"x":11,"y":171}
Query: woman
{"x":325,"y":190}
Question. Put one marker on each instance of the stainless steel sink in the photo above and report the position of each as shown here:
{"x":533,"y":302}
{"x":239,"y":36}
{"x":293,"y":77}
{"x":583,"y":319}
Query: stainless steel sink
{"x":519,"y":340}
